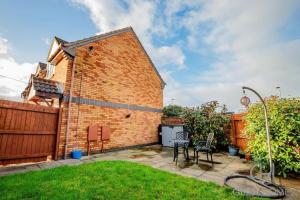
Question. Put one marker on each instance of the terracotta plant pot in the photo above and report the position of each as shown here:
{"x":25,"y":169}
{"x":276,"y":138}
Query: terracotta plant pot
{"x":248,"y":157}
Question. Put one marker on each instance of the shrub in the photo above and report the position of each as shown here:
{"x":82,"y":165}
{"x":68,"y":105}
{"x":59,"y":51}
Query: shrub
{"x":206,"y":119}
{"x":172,"y":111}
{"x":284,"y":122}
{"x":200,"y":121}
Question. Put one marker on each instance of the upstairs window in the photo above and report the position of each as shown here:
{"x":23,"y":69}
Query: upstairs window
{"x":50,"y":70}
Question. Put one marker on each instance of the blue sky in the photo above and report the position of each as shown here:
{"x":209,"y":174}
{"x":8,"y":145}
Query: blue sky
{"x":27,"y":24}
{"x":205,"y":50}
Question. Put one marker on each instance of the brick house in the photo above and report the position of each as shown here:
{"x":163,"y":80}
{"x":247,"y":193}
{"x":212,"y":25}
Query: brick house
{"x":110,"y":80}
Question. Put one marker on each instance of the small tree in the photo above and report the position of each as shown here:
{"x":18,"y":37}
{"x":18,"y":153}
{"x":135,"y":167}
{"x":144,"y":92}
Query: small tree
{"x":194,"y":122}
{"x":209,"y":120}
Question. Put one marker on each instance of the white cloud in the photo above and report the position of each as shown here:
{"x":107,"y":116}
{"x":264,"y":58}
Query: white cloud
{"x":46,"y":40}
{"x":246,"y":38}
{"x":196,"y":94}
{"x":170,"y":55}
{"x":11,"y":68}
{"x":143,"y":17}
{"x":3,"y":46}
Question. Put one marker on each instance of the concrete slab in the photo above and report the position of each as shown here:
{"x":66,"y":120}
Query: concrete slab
{"x":48,"y":165}
{"x":32,"y":168}
{"x":71,"y":162}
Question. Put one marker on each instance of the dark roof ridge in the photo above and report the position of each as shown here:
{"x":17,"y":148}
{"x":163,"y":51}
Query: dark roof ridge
{"x":59,"y":40}
{"x":96,"y":37}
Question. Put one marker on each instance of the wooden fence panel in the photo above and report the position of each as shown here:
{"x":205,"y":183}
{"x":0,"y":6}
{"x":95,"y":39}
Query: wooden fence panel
{"x":28,"y":133}
{"x":237,"y":127}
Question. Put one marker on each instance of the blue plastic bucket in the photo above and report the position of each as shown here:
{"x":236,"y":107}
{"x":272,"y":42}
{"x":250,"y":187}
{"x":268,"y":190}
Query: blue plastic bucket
{"x":76,"y":154}
{"x":233,"y":151}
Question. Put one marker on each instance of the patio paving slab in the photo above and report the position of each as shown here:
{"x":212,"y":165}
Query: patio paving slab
{"x":216,"y":178}
{"x":193,"y":172}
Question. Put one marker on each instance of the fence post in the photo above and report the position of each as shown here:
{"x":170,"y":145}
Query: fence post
{"x":58,"y":133}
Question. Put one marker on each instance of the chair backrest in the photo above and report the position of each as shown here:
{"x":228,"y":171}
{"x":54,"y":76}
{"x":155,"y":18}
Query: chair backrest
{"x":182,"y":135}
{"x":209,"y":140}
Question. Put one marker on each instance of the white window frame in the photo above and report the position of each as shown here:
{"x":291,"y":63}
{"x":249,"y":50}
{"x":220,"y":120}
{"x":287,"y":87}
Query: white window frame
{"x":50,"y":70}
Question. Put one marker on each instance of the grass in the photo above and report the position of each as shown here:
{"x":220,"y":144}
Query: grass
{"x":109,"y":180}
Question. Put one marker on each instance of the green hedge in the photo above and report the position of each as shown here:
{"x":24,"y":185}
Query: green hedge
{"x":284,"y":120}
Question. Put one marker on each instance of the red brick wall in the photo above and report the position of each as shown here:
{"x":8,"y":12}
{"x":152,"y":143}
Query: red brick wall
{"x":116,"y":70}
{"x":60,"y":73}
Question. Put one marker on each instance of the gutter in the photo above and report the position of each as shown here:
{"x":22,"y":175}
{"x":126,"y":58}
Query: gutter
{"x":69,"y":110}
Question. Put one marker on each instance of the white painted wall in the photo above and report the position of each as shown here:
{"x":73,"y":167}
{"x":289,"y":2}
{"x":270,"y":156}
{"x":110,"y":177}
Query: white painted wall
{"x":53,"y":49}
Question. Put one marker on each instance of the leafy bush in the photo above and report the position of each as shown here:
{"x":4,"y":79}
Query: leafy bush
{"x":284,"y":122}
{"x":205,"y":119}
{"x":200,"y":121}
{"x":172,"y":111}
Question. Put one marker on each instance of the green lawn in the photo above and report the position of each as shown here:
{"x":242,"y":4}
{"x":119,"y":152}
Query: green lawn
{"x":109,"y":180}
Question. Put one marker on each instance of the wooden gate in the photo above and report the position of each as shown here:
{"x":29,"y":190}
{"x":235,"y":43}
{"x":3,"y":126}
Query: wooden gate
{"x":28,"y":133}
{"x":237,"y":126}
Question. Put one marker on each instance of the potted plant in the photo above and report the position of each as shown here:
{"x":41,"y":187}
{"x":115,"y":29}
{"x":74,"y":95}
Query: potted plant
{"x":233,"y":150}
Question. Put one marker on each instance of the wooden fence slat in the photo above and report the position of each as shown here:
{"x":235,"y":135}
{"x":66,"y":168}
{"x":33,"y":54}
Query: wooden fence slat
{"x":2,"y":118}
{"x":3,"y":144}
{"x":8,"y":149}
{"x":38,"y":144}
{"x":1,"y":137}
{"x":59,"y":118}
{"x":7,"y":119}
{"x":14,"y":145}
{"x":21,"y":137}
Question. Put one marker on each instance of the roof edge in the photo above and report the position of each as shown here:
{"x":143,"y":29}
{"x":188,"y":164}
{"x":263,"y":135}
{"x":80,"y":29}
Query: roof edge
{"x":88,"y":40}
{"x":69,"y":47}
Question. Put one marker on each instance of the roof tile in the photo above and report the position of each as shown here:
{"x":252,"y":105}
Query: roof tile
{"x":49,"y":86}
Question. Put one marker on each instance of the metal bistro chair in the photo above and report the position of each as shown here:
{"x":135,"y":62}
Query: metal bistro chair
{"x":181,"y":140}
{"x":204,"y":146}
